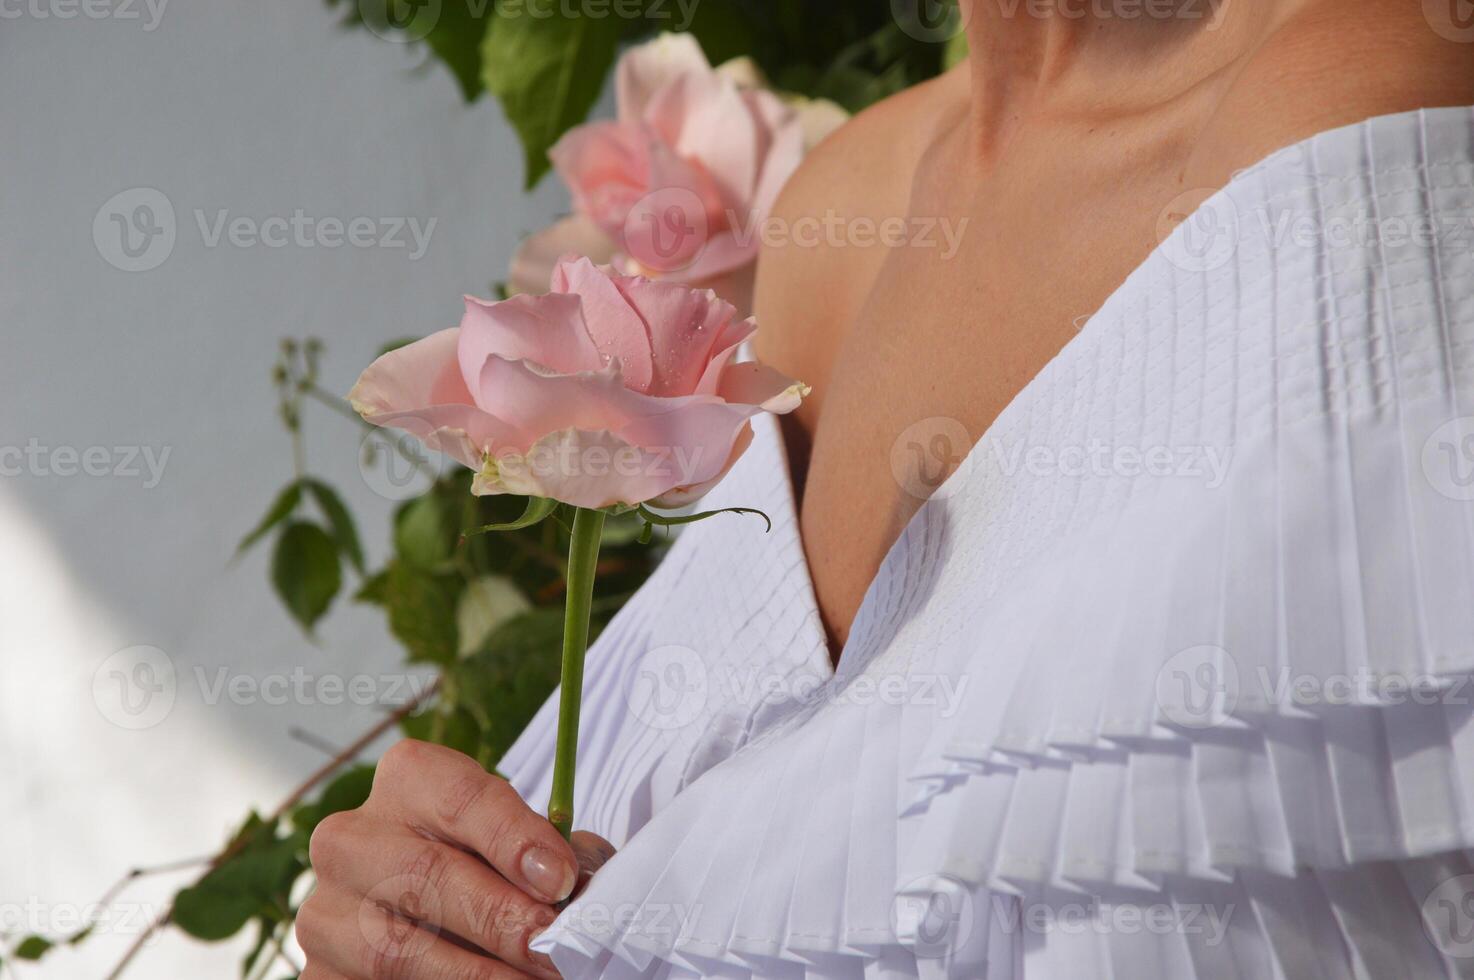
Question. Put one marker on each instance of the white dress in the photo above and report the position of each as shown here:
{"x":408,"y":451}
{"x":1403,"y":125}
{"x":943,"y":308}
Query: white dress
{"x":1129,"y":698}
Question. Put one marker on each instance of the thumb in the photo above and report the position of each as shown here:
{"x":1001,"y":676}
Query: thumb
{"x":592,"y":852}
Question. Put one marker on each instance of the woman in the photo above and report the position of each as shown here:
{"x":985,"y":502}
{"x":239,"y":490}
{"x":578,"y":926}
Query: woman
{"x":1162,"y":677}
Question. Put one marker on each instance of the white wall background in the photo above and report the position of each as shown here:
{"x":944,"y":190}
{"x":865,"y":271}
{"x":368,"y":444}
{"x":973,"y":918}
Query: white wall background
{"x":260,"y":108}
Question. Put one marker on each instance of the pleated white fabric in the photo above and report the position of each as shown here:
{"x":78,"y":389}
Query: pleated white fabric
{"x":1170,"y":680}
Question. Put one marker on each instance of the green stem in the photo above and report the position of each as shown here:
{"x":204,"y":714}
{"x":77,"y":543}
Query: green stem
{"x":583,"y":556}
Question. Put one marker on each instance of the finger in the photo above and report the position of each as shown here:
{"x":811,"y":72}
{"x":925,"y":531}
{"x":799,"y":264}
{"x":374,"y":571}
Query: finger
{"x":363,"y":940}
{"x":434,"y":883}
{"x":314,"y":971}
{"x":593,"y":852}
{"x":445,"y":794}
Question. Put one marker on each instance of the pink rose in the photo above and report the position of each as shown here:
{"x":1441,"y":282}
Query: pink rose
{"x":678,"y":186}
{"x":608,"y":390}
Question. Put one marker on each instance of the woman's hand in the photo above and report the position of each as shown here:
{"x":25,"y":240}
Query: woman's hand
{"x":444,"y":874}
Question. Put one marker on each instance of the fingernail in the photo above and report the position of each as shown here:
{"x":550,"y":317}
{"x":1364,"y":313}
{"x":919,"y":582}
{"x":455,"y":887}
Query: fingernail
{"x":548,"y":873}
{"x":591,"y":861}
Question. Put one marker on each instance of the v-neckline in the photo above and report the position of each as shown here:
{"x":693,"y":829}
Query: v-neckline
{"x":840,"y":662}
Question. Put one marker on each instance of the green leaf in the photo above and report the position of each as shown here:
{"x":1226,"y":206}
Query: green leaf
{"x":394,"y":345}
{"x":455,"y":728}
{"x":666,"y":520}
{"x":724,"y":30}
{"x":340,"y":522}
{"x":281,"y":508}
{"x":451,"y":29}
{"x":372,"y":590}
{"x":956,"y":50}
{"x":538,"y":510}
{"x":264,"y":928}
{"x":456,"y":40}
{"x":421,"y":534}
{"x":33,"y":948}
{"x":422,"y":612}
{"x":546,"y":63}
{"x":505,"y":682}
{"x":348,"y":791}
{"x":256,"y":881}
{"x":622,"y":529}
{"x":305,"y":571}
{"x":487,"y":603}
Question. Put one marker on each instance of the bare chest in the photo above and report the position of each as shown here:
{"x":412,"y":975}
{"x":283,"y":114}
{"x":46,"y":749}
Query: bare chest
{"x":946,"y":337}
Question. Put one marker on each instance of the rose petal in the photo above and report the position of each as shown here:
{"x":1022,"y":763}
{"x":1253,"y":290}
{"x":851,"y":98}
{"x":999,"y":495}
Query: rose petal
{"x":783,"y":158}
{"x":616,"y":328}
{"x":683,"y":496}
{"x":684,"y":326}
{"x":585,"y":469}
{"x":744,"y":71}
{"x":817,"y":118}
{"x":538,"y":403}
{"x":752,"y":383}
{"x":419,"y":389}
{"x":708,"y":119}
{"x":548,"y":330}
{"x":463,"y":432}
{"x":532,"y":265}
{"x":648,"y":67}
{"x":413,"y":376}
{"x":724,"y":253}
{"x":728,"y":345}
{"x":600,"y":468}
{"x":607,"y":167}
{"x":698,"y":438}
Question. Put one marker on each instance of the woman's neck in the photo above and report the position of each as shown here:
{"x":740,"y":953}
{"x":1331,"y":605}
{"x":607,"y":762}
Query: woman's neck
{"x":1201,"y":64}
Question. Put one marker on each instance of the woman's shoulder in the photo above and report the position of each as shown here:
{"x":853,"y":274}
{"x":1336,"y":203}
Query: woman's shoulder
{"x":813,"y":271}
